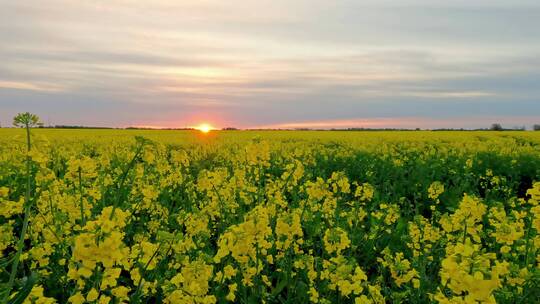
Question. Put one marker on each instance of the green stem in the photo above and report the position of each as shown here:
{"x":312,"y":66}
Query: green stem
{"x":83,"y":220}
{"x":26,"y":219}
{"x":136,"y":296}
{"x":119,"y":193}
{"x":527,"y":246}
{"x":464,"y":230}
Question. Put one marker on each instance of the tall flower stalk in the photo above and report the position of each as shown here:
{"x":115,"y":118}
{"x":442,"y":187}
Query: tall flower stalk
{"x":27,"y":121}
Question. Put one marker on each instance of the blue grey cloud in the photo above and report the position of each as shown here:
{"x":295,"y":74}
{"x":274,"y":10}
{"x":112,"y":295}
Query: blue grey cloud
{"x":264,"y":63}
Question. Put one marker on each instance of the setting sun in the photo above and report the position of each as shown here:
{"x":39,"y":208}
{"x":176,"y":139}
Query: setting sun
{"x":205,"y":128}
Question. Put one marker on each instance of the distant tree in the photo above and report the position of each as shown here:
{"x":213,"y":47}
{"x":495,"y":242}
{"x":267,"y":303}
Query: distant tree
{"x":26,"y":120}
{"x":536,"y":127}
{"x":496,"y":127}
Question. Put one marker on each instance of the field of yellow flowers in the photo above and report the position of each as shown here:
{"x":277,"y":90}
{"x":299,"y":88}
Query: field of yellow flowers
{"x":118,"y":216}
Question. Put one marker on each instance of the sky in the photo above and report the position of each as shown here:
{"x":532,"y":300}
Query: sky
{"x":272,"y":63}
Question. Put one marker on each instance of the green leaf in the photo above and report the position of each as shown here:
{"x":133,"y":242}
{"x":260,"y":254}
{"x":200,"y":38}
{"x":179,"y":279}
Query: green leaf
{"x":279,"y":287}
{"x":25,"y":290}
{"x":3,"y":290}
{"x":6,"y":261}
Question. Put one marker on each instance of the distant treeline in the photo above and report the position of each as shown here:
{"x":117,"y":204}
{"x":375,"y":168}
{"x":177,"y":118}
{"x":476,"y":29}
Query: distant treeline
{"x":398,"y":129}
{"x":140,"y":128}
{"x":108,"y":128}
{"x":73,"y":127}
{"x":494,"y":127}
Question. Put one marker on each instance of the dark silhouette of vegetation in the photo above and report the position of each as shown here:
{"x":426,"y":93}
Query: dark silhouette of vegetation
{"x":76,"y":127}
{"x":499,"y":127}
{"x":496,"y":127}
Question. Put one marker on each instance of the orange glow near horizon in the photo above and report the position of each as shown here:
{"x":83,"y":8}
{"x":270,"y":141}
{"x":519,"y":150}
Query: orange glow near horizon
{"x":204,"y":127}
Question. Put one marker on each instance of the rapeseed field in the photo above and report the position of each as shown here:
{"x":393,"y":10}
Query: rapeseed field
{"x":140,"y":216}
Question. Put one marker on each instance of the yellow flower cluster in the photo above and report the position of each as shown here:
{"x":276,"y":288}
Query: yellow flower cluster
{"x":191,"y":284}
{"x":471,"y":275}
{"x":100,"y":249}
{"x":467,"y":220}
{"x":435,"y":189}
{"x":400,"y":268}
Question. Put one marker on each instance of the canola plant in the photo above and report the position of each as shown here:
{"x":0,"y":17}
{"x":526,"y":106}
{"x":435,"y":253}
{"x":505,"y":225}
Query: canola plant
{"x":133,"y":216}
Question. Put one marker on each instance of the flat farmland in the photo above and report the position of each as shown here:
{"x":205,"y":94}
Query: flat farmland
{"x":165,"y":216}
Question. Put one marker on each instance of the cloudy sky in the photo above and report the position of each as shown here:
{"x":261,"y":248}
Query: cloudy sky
{"x":272,"y":63}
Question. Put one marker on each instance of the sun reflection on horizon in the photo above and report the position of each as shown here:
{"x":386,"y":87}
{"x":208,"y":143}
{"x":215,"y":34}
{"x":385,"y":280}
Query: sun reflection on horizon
{"x":204,"y":127}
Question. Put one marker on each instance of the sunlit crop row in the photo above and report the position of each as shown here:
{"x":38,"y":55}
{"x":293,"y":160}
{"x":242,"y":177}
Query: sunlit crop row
{"x":271,"y":217}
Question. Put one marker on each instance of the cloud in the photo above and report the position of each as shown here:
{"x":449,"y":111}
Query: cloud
{"x":268,"y":62}
{"x":15,"y":85}
{"x":409,"y":123}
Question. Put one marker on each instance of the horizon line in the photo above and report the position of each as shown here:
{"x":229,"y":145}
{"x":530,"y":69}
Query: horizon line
{"x":72,"y":127}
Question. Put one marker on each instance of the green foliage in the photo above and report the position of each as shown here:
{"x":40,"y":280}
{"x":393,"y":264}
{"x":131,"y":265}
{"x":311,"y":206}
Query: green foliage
{"x":26,"y":120}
